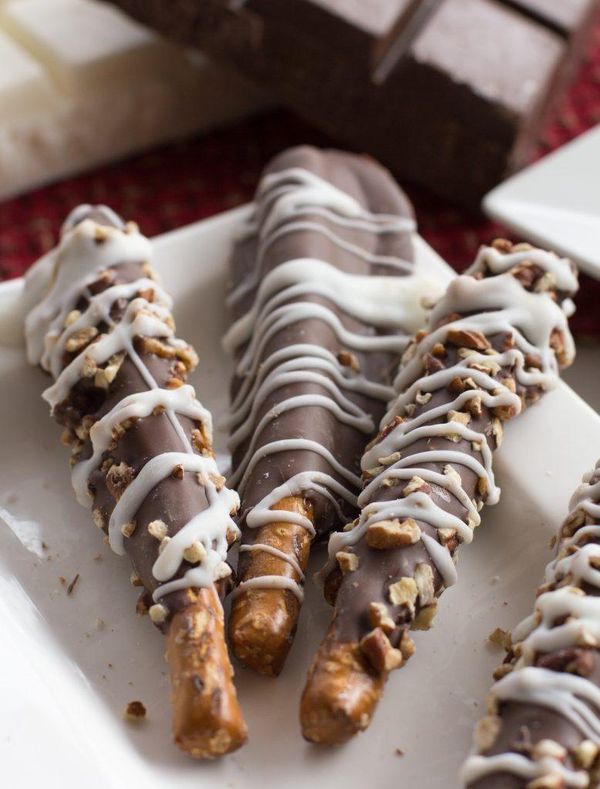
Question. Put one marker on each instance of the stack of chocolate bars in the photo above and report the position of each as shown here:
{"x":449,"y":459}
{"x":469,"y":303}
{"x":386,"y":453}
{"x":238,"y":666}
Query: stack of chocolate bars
{"x":451,"y":94}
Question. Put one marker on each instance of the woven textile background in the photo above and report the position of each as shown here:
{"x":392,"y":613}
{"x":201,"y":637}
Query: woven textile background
{"x":182,"y":183}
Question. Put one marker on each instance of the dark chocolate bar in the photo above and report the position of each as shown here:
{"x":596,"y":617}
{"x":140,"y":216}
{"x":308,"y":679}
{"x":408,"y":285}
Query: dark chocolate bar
{"x":450,"y":94}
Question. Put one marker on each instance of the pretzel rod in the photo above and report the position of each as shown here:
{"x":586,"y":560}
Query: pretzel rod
{"x":207,"y":721}
{"x":263,"y":620}
{"x":542,"y":730}
{"x":322,"y":306}
{"x":493,"y":346}
{"x":141,"y":452}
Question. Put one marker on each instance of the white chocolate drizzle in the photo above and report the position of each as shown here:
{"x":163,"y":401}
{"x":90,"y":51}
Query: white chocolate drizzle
{"x":478,"y":767}
{"x":58,"y":283}
{"x":284,"y":297}
{"x":494,"y":305}
{"x":564,"y":617}
{"x":180,"y":401}
{"x":284,"y":196}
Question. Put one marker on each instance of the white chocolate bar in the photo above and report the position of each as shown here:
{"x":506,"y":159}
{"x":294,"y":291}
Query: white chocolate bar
{"x":81,"y":85}
{"x":24,"y":86}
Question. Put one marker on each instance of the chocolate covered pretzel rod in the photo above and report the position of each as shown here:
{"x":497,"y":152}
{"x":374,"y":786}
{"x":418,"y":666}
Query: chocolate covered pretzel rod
{"x":141,"y":453}
{"x":494,"y":344}
{"x":542,"y":730}
{"x":323,"y":304}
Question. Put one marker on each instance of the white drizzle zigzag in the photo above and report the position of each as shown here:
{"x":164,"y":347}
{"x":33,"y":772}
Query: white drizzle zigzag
{"x":296,"y":191}
{"x":575,"y":698}
{"x":493,"y":305}
{"x":87,"y":248}
{"x":393,"y":302}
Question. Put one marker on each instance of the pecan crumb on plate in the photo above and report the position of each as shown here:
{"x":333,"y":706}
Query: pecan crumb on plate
{"x":134,"y":712}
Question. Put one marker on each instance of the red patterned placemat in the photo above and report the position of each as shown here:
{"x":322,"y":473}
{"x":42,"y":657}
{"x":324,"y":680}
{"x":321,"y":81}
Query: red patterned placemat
{"x":182,"y":183}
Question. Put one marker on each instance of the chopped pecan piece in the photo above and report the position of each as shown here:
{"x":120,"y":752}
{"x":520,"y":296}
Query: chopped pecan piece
{"x":379,"y":652}
{"x":393,"y":534}
{"x":468,"y":338}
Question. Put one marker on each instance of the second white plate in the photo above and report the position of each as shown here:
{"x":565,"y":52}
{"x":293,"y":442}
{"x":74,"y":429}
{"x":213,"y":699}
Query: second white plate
{"x":556,"y":202}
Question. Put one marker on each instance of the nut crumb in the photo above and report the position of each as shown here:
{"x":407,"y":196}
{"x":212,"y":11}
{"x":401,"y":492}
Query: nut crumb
{"x":127,"y":529}
{"x":347,"y":359}
{"x":403,"y":592}
{"x":223,"y":571}
{"x":394,"y":533}
{"x":163,"y":544}
{"x":134,"y":712}
{"x":195,"y":552}
{"x":178,"y":471}
{"x":486,"y":732}
{"x":158,"y":613}
{"x":158,"y":529}
{"x":500,"y":638}
{"x":459,"y":416}
{"x":379,"y":616}
{"x":416,"y":484}
{"x":348,"y":562}
{"x":586,"y":754}
{"x":379,"y":652}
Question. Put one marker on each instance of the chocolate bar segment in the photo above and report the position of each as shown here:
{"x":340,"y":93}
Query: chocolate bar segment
{"x":450,"y":94}
{"x":494,"y":345}
{"x":568,"y":18}
{"x":543,"y":723}
{"x":364,"y":31}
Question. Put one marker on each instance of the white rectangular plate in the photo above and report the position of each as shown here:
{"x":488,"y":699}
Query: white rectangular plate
{"x":65,"y":678}
{"x":556,"y":202}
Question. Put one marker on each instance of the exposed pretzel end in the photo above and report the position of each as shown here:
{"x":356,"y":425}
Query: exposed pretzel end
{"x":340,"y":695}
{"x":207,"y":721}
{"x":264,"y":619}
{"x":262,"y":628}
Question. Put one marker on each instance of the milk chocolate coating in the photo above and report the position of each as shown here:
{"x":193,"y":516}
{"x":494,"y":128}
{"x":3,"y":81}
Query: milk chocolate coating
{"x":375,"y":190}
{"x":524,"y":724}
{"x":377,"y":570}
{"x":174,"y":501}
